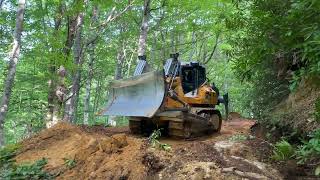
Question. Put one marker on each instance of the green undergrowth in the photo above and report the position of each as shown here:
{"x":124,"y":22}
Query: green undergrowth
{"x":155,"y":143}
{"x":307,"y":151}
{"x":293,"y":144}
{"x":70,"y":163}
{"x":10,"y":170}
{"x":310,"y":149}
{"x":283,"y":150}
{"x":278,"y":128}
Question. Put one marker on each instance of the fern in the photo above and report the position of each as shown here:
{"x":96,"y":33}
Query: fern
{"x":310,"y":149}
{"x":283,"y":150}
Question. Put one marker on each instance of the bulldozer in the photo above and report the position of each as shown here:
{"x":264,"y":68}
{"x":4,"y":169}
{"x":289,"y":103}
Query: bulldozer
{"x":177,"y":99}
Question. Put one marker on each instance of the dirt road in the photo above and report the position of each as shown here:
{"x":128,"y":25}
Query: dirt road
{"x":113,"y":153}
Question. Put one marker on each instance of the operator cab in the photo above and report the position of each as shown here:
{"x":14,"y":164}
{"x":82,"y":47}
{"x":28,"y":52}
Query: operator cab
{"x":193,"y":75}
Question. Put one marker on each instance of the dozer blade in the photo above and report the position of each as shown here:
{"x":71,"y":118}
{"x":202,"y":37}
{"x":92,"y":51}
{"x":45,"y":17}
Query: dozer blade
{"x":140,"y":95}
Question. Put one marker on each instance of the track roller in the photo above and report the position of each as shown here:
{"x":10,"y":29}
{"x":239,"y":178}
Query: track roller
{"x":136,"y":125}
{"x":216,"y":121}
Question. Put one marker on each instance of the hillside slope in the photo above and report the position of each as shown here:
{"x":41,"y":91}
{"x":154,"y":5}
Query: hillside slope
{"x":298,"y":110}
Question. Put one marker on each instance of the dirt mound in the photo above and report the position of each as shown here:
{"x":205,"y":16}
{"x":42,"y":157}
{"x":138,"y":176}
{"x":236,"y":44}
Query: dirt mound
{"x":92,"y":154}
{"x":82,"y":152}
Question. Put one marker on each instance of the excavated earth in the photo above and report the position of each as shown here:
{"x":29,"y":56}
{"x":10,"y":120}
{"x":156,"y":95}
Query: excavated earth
{"x":114,"y":153}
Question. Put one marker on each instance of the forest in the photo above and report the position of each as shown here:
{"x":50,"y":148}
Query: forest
{"x":58,"y":59}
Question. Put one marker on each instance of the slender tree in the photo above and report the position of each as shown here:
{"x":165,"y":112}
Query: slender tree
{"x":142,"y":43}
{"x":71,"y":104}
{"x":52,"y":102}
{"x":1,"y":3}
{"x":90,"y":45}
{"x":14,"y":58}
{"x":91,"y":52}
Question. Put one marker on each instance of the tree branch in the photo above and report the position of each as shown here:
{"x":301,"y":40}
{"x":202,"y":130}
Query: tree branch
{"x":214,"y":48}
{"x":112,"y":17}
{"x":1,"y":3}
{"x":157,"y":8}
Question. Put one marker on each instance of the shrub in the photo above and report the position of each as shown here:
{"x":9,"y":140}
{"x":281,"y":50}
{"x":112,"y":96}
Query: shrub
{"x":283,"y":150}
{"x":310,"y":149}
{"x":155,"y":143}
{"x":7,"y":153}
{"x":10,"y":170}
{"x":27,"y":171}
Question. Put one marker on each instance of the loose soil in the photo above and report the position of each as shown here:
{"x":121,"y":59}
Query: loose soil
{"x":114,"y":153}
{"x":98,"y":153}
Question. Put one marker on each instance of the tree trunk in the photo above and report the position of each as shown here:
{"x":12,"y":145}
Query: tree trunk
{"x":91,"y":52}
{"x":91,"y":45}
{"x":97,"y":95}
{"x":57,"y":88}
{"x":88,"y":85}
{"x":1,"y":3}
{"x":71,"y":104}
{"x":193,"y":46}
{"x":172,"y":42}
{"x":214,"y":49}
{"x":52,"y":104}
{"x":163,"y":46}
{"x":14,"y":58}
{"x":144,"y":29}
{"x":120,"y":59}
{"x":153,"y":49}
{"x":118,"y":75}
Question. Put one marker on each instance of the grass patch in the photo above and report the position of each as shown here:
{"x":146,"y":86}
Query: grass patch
{"x":283,"y":150}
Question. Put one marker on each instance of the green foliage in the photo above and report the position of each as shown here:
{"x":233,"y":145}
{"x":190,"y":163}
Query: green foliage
{"x":310,"y":149}
{"x":70,"y":163}
{"x":7,"y":154}
{"x":165,"y":147}
{"x":308,"y":152}
{"x":282,"y":151}
{"x":27,"y":171}
{"x":274,"y":45}
{"x":155,"y":143}
{"x":154,"y":137}
{"x":46,"y":25}
{"x":10,"y":170}
{"x":220,"y":72}
{"x":294,"y":82}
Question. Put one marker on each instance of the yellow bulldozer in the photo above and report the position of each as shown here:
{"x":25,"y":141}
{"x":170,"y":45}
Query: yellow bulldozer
{"x":177,"y":99}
